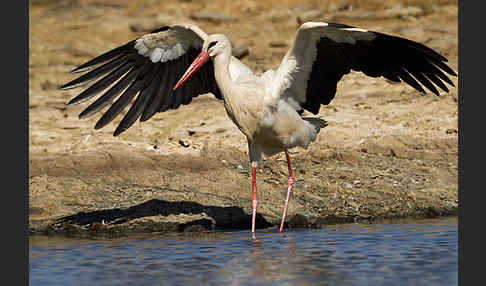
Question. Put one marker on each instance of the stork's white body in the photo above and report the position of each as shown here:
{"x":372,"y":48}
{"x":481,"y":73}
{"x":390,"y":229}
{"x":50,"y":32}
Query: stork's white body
{"x":270,"y":124}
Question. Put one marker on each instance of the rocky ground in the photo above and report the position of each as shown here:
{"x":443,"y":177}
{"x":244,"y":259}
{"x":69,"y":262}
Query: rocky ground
{"x":388,"y":151}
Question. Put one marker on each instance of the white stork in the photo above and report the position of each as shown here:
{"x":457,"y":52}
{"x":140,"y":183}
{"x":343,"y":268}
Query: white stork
{"x":266,"y":108}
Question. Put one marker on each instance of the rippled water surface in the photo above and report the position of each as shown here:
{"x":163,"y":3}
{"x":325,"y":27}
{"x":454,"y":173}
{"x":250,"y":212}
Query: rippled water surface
{"x":404,"y":252}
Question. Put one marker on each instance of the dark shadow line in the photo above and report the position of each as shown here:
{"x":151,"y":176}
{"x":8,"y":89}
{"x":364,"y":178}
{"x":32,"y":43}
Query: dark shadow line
{"x":224,"y":217}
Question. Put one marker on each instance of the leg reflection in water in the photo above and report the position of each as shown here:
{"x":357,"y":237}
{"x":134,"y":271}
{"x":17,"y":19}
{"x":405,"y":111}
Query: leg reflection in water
{"x":265,"y":264}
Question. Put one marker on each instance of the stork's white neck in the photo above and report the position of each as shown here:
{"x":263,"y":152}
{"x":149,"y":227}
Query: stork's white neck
{"x":229,"y":89}
{"x":221,"y":71}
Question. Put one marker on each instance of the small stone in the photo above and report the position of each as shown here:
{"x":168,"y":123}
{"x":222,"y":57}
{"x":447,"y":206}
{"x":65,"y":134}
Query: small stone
{"x":85,"y":140}
{"x":183,"y":144}
{"x":152,"y":147}
{"x":451,"y":131}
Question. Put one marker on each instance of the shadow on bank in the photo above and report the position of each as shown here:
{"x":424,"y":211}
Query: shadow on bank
{"x":156,"y":216}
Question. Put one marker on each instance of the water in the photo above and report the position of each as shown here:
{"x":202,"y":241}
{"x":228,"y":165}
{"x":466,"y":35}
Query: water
{"x":417,"y":252}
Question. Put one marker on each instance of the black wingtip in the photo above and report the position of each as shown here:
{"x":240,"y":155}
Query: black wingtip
{"x":66,"y":86}
{"x":76,"y":101}
{"x":100,"y":124}
{"x":81,"y":69}
{"x":119,"y":130}
{"x":72,"y":102}
{"x":103,"y":58}
{"x":90,"y":110}
{"x":82,"y":116}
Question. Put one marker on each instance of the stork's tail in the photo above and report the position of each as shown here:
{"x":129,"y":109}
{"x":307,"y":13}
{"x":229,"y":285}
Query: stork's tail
{"x":315,"y":125}
{"x":318,"y":123}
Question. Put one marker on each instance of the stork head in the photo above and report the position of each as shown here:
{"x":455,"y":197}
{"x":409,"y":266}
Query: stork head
{"x":213,"y":46}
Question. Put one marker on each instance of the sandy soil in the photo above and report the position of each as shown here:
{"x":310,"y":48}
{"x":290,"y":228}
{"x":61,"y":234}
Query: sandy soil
{"x":388,"y":151}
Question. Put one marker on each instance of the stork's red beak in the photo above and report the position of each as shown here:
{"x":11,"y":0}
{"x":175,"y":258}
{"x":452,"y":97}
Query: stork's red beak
{"x":200,"y":60}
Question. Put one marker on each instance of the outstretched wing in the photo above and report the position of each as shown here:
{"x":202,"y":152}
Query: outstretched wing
{"x":146,"y":68}
{"x":323,"y":52}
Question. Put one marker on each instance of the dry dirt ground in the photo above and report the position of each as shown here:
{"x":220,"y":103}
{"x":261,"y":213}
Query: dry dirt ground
{"x":388,"y":151}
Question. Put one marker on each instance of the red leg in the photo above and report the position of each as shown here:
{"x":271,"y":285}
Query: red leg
{"x":254,"y":201}
{"x":289,"y":190}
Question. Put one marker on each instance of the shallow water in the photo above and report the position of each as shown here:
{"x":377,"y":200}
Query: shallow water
{"x":401,"y":252}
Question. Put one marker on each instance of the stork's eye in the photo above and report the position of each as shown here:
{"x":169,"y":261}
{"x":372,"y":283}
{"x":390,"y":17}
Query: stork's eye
{"x":212,"y":44}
